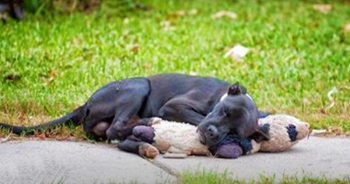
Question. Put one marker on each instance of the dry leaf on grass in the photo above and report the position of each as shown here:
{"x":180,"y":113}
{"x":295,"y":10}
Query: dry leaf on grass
{"x":346,"y":28}
{"x":179,"y":13}
{"x":50,"y":77}
{"x":237,"y":53}
{"x":323,"y":8}
{"x":182,"y":13}
{"x":306,"y":101}
{"x":169,"y":23}
{"x":126,"y":21}
{"x":147,"y":66}
{"x":330,"y":96}
{"x":193,"y":12}
{"x":331,"y":99}
{"x":223,"y":13}
{"x":135,"y":48}
{"x":167,"y":26}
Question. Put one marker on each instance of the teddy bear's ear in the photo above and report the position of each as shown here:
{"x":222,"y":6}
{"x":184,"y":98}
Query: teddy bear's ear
{"x":261,"y":134}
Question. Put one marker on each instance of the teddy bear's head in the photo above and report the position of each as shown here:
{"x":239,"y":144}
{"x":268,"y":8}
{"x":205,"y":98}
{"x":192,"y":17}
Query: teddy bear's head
{"x":284,"y":132}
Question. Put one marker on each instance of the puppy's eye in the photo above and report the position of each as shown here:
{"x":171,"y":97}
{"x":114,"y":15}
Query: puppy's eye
{"x":226,"y":112}
{"x":233,"y":113}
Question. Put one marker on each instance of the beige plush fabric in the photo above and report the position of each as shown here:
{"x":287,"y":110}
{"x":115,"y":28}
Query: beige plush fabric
{"x":280,"y":140}
{"x":175,"y":137}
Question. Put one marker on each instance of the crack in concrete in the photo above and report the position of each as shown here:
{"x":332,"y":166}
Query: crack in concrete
{"x":165,"y":168}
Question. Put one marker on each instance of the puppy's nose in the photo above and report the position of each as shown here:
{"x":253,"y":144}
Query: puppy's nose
{"x":212,"y":132}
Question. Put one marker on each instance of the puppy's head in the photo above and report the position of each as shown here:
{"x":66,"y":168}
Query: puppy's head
{"x":235,"y":114}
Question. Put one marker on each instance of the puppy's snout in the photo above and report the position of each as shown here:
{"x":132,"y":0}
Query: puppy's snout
{"x":212,"y":132}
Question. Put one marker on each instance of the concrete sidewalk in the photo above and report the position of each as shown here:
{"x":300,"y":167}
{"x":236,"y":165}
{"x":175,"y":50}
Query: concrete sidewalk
{"x":314,"y":157}
{"x":71,"y":162}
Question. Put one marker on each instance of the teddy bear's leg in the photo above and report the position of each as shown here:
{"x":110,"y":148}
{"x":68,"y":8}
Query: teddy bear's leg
{"x":148,"y":150}
{"x":141,"y":148}
{"x":200,"y":152}
{"x":256,"y":147}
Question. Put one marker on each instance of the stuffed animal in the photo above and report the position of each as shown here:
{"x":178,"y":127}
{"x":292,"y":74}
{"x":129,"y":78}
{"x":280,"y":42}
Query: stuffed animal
{"x":284,"y":131}
{"x":174,"y":137}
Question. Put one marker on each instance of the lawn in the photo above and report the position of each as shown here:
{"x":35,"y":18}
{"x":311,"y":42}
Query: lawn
{"x":51,"y":63}
{"x":223,"y":178}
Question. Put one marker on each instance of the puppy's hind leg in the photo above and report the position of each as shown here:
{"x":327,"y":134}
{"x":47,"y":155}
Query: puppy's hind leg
{"x":130,"y":102}
{"x":100,"y":129}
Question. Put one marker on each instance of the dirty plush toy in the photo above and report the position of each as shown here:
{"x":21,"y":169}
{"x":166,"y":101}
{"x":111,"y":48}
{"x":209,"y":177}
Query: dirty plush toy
{"x":173,"y":137}
{"x":284,"y":131}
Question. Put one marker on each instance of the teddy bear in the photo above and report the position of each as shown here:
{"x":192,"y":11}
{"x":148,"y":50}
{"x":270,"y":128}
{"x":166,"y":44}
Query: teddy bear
{"x":284,"y":130}
{"x":182,"y":138}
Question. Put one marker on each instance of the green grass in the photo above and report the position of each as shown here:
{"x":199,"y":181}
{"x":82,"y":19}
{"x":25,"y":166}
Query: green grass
{"x":51,"y":64}
{"x":224,"y":178}
{"x":206,"y":177}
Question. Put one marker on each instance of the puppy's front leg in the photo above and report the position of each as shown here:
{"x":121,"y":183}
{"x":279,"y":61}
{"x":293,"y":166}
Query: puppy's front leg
{"x":181,"y":109}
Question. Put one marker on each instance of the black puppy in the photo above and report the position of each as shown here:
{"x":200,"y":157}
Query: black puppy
{"x":12,"y":7}
{"x":210,"y":102}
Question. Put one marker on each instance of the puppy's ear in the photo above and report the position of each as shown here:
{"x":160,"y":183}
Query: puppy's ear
{"x":236,"y":89}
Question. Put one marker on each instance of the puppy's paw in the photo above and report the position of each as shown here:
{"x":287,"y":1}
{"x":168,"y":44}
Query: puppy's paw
{"x":149,"y":151}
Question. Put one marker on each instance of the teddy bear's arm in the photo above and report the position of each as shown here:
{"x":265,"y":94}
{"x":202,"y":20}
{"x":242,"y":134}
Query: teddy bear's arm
{"x":256,"y":147}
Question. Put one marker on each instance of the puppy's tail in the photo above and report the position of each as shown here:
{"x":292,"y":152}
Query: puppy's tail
{"x":75,"y":118}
